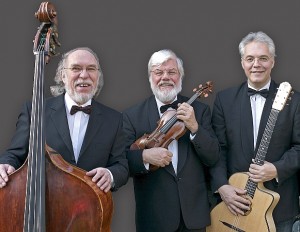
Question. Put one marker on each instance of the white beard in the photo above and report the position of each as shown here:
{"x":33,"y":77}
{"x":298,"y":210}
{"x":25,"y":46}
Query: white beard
{"x":80,"y":98}
{"x":165,"y":96}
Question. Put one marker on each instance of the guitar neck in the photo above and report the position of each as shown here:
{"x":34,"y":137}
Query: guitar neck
{"x":263,"y":148}
{"x":265,"y":140}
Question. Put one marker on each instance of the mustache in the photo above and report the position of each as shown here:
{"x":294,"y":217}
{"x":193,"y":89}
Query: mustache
{"x":166,"y":83}
{"x":80,"y":82}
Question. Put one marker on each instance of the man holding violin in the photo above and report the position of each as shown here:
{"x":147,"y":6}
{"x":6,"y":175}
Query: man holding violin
{"x":169,"y":182}
{"x":85,"y":132}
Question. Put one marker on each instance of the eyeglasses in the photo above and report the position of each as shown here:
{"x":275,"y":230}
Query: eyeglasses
{"x":79,"y":69}
{"x":170,"y":72}
{"x":260,"y":59}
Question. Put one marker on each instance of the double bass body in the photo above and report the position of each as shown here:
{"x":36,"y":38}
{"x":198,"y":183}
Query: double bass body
{"x":73,"y":201}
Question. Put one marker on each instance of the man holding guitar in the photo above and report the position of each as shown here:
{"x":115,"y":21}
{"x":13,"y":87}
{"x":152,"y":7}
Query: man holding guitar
{"x":239,"y":119}
{"x":173,"y":195}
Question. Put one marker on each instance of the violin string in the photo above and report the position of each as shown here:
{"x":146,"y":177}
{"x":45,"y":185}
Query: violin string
{"x":173,"y":119}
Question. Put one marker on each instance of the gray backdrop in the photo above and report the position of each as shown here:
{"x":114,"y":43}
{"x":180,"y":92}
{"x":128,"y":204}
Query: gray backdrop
{"x":205,"y":34}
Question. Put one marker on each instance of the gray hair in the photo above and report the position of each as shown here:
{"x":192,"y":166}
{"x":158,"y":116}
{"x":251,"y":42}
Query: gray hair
{"x":257,"y":37}
{"x":162,"y":56}
{"x":59,"y":88}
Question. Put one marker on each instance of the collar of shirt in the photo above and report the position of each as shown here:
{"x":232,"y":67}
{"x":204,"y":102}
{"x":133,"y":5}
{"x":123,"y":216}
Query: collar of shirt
{"x":267,"y":86}
{"x":159,"y":104}
{"x":69,"y":103}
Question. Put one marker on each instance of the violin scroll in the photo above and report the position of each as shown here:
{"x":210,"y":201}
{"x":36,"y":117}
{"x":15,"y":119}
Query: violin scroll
{"x":204,"y":90}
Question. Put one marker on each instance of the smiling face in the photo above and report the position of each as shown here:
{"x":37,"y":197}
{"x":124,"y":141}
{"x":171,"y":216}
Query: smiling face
{"x":165,"y":81}
{"x":257,"y":63}
{"x":81,"y":76}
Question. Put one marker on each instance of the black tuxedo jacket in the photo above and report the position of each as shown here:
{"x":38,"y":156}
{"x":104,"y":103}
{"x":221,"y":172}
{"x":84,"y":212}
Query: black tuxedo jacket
{"x":161,"y":196}
{"x":232,"y":122}
{"x":103,"y":144}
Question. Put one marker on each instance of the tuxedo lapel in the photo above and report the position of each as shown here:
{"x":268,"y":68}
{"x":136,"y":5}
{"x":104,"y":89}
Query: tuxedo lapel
{"x":96,"y":120}
{"x":246,"y":122}
{"x":153,"y":123}
{"x":266,"y":112}
{"x":153,"y":114}
{"x":59,"y":118}
{"x":182,"y":145}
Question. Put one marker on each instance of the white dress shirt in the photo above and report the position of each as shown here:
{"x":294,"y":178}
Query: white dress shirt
{"x":257,"y":106}
{"x":173,"y":146}
{"x":77,"y":124}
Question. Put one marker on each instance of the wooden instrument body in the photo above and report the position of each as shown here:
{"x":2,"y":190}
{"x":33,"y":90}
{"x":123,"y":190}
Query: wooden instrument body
{"x":258,"y":219}
{"x":159,"y":138}
{"x":73,"y":201}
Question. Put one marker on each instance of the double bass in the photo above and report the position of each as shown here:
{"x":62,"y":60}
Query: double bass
{"x":46,"y":193}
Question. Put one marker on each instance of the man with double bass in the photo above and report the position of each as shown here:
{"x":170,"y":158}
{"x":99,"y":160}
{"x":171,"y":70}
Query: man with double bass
{"x":239,"y":119}
{"x":172,"y":196}
{"x":84,"y":132}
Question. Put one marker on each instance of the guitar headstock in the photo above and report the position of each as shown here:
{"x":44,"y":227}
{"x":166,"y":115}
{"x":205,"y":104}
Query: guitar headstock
{"x":282,"y":96}
{"x":204,"y":90}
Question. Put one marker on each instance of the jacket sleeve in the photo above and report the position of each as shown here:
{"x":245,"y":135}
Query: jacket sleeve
{"x":205,"y":142}
{"x":135,"y":158}
{"x":17,"y":151}
{"x":219,"y":171}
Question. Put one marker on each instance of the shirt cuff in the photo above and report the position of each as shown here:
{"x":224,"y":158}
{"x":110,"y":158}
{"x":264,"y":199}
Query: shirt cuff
{"x":112,"y":179}
{"x":192,"y":136}
{"x":147,"y":165}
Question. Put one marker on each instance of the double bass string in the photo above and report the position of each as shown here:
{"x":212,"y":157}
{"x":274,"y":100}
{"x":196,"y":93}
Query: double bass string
{"x":35,"y":187}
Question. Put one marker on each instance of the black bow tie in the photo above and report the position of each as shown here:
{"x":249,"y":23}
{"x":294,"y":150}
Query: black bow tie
{"x":264,"y":92}
{"x":85,"y":109}
{"x":173,"y":105}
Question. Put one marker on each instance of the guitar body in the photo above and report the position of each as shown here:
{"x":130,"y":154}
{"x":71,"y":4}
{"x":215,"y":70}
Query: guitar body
{"x":258,"y":219}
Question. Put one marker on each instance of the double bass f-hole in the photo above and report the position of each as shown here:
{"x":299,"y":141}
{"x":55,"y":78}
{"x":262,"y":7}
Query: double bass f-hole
{"x":169,"y":127}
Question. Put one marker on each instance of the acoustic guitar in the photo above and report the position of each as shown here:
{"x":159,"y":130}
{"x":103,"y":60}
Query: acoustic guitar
{"x":263,"y":201}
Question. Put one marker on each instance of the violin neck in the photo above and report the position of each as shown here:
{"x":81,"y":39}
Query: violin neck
{"x":192,"y":99}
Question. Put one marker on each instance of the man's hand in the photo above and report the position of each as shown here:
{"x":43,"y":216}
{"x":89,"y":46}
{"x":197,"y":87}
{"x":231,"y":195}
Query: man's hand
{"x":185,"y":113}
{"x":262,"y":173}
{"x":101,"y":176}
{"x":157,"y":156}
{"x":5,"y":170}
{"x":235,"y":199}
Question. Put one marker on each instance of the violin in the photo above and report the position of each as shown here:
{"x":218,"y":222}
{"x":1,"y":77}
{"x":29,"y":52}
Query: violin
{"x":169,"y":127}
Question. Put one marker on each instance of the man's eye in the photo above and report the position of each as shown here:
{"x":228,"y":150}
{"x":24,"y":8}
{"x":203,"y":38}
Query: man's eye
{"x":172,"y":73}
{"x":263,"y":59}
{"x":159,"y":73}
{"x":76,"y":69}
{"x":91,"y":69}
{"x":249,"y":59}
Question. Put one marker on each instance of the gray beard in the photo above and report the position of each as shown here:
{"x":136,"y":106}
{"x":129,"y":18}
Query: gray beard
{"x":165,"y":96}
{"x":79,"y":98}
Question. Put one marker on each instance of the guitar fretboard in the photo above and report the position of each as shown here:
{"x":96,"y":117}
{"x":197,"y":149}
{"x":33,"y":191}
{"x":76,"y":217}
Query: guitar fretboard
{"x":262,"y":149}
